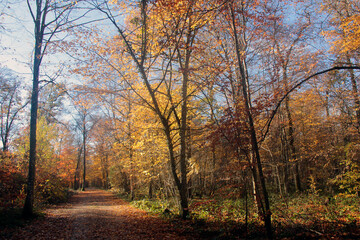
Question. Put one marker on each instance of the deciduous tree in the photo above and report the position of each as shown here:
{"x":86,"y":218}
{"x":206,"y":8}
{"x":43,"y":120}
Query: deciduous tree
{"x":11,"y":104}
{"x":49,"y":18}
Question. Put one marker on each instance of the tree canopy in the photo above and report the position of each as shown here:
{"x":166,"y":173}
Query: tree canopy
{"x":186,"y":101}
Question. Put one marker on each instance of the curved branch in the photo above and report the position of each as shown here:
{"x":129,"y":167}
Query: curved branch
{"x":268,"y":123}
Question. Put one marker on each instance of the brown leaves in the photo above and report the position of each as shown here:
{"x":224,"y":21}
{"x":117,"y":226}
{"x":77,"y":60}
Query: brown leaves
{"x":97,"y":214}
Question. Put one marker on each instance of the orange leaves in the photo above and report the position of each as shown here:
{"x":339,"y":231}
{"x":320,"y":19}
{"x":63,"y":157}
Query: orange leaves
{"x":351,"y":34}
{"x":12,"y":182}
{"x":345,"y":17}
{"x":173,"y":6}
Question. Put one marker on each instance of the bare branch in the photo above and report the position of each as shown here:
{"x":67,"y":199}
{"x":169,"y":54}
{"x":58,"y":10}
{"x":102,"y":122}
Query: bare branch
{"x":296,"y":86}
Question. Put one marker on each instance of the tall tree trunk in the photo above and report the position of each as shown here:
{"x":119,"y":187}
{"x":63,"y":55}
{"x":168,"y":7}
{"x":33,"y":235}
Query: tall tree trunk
{"x":29,"y":201}
{"x":185,"y":67}
{"x":278,"y":180}
{"x":151,"y":189}
{"x":181,"y":183}
{"x":355,"y":94}
{"x":284,"y":159}
{"x":39,"y":21}
{"x":183,"y":147}
{"x":125,"y":182}
{"x":297,"y":181}
{"x":131,"y":177}
{"x":5,"y":130}
{"x":213,"y":172}
{"x":130,"y":147}
{"x":77,"y":170}
{"x":261,"y":191}
{"x":84,"y":156}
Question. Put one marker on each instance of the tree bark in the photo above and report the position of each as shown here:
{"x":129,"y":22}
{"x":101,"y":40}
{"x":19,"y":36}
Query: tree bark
{"x":84,"y":155}
{"x":77,"y":170}
{"x":39,"y":22}
{"x":355,"y":93}
{"x":164,"y":117}
{"x":261,"y":191}
{"x":297,"y":181}
{"x":151,"y":189}
{"x":7,"y":126}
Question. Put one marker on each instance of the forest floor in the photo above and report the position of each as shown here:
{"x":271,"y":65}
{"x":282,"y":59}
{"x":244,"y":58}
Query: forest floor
{"x":97,"y":214}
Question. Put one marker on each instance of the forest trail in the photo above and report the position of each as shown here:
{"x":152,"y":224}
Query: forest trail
{"x":97,"y":214}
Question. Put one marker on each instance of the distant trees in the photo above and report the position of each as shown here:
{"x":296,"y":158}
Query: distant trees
{"x":169,"y":94}
{"x":345,"y":20}
{"x":85,"y":121}
{"x":198,"y":98}
{"x":11,"y":104}
{"x":342,"y":90}
{"x":211,"y":75}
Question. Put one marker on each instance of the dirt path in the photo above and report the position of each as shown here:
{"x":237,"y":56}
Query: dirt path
{"x":97,"y":214}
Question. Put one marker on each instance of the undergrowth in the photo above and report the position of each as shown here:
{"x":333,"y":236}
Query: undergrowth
{"x":299,"y":216}
{"x":158,"y":206}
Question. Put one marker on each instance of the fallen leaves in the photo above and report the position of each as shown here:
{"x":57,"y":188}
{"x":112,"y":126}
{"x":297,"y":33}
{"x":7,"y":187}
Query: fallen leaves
{"x":96,"y":214}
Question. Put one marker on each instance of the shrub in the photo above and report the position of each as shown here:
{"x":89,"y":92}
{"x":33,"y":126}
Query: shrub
{"x":52,"y":190}
{"x":12,"y":185}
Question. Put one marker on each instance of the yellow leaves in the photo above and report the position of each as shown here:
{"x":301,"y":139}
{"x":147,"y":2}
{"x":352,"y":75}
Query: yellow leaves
{"x":194,"y":167}
{"x":351,"y":34}
{"x":345,"y":38}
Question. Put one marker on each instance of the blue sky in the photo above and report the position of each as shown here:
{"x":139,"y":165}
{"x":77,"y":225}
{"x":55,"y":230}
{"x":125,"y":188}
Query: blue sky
{"x":16,"y":37}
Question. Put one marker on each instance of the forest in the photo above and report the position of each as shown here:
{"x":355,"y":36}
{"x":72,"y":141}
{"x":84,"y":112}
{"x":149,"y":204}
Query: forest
{"x":240,"y":116}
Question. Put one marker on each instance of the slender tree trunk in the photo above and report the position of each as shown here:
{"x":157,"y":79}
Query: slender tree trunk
{"x":77,"y":171}
{"x":39,"y":34}
{"x":183,"y":143}
{"x":131,"y":177}
{"x":181,"y":183}
{"x":278,"y":180}
{"x":213,"y":172}
{"x":5,"y":142}
{"x":285,"y":160}
{"x":125,"y":181}
{"x":29,"y":201}
{"x":130,"y":147}
{"x":5,"y":132}
{"x":84,"y":156}
{"x":297,"y":181}
{"x":181,"y":187}
{"x":246,"y":206}
{"x":286,"y":178}
{"x":107,"y":185}
{"x":355,"y":93}
{"x":261,"y":191}
{"x":151,"y":189}
{"x":185,"y":66}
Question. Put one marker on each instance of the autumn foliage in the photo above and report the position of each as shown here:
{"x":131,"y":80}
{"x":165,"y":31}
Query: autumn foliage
{"x":54,"y":173}
{"x":241,"y":114}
